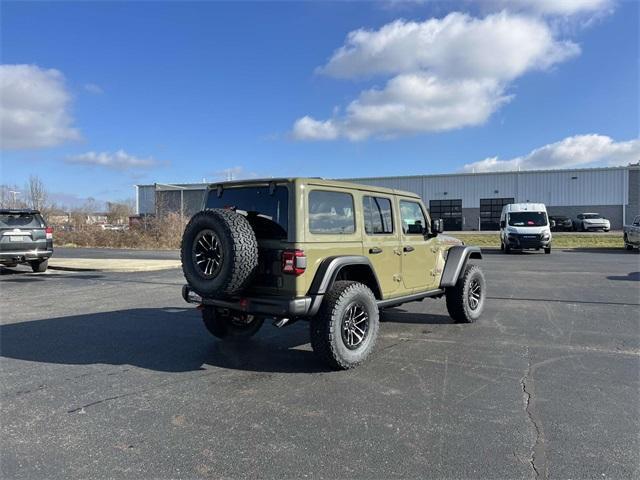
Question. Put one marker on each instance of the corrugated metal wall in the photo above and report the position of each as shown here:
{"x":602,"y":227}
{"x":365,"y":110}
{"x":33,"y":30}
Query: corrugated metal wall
{"x":554,"y":188}
{"x":146,"y":201}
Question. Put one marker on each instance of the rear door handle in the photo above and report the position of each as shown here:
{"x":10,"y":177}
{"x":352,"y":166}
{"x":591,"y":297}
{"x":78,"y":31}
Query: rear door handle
{"x":375,"y":250}
{"x":408,"y":248}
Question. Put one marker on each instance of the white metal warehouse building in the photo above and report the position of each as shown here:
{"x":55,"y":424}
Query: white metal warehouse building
{"x":471,"y":201}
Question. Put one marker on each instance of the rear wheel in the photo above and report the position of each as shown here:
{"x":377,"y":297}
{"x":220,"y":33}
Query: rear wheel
{"x":465,"y":300}
{"x":224,"y":324}
{"x":39,"y":266}
{"x":345,"y":330}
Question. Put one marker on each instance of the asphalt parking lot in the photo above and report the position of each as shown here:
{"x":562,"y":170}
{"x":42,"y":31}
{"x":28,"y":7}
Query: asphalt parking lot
{"x":113,"y":375}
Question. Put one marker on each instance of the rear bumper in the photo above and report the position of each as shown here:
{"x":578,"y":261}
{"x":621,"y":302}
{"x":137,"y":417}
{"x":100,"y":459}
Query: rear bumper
{"x":276,"y":307}
{"x":24,"y":255}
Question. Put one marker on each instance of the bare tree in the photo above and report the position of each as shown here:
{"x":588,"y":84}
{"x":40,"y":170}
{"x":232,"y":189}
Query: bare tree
{"x":37,"y":193}
{"x":119,"y":212}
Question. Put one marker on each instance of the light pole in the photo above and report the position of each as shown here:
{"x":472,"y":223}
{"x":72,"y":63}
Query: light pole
{"x":15,"y":193}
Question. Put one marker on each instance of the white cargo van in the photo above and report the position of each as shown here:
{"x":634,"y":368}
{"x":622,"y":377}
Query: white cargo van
{"x":525,"y":226}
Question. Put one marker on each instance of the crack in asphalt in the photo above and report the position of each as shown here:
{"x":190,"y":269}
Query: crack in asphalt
{"x":537,"y":449}
{"x":538,"y":459}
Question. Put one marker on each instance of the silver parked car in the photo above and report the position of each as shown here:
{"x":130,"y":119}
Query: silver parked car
{"x":591,"y":221}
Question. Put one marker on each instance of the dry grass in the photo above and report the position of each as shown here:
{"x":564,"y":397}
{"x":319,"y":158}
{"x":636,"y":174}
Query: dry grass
{"x":164,"y":234}
{"x":560,"y":240}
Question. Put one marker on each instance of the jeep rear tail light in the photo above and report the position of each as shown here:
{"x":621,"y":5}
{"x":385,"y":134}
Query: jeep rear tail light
{"x":49,"y":233}
{"x":294,"y":262}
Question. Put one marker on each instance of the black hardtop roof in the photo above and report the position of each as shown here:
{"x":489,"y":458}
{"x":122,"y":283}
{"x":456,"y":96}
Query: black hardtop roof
{"x":314,"y":181}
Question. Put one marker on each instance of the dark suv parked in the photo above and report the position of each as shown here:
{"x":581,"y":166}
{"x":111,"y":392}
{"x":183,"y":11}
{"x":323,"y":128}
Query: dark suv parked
{"x":560,"y":223}
{"x":25,"y":238}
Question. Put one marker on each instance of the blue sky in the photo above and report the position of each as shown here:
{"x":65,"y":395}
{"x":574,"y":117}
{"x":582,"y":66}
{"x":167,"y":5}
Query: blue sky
{"x":186,"y":91}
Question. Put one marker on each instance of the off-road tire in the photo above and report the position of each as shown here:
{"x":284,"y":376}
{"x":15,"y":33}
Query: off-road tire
{"x":39,"y":266}
{"x":547,"y":250}
{"x":239,"y":250}
{"x":458,"y":304}
{"x":326,"y":327}
{"x":224,"y":327}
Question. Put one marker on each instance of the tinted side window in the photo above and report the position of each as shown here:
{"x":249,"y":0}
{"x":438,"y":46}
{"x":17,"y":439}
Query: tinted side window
{"x":331,"y":212}
{"x":413,"y":221}
{"x":377,"y":215}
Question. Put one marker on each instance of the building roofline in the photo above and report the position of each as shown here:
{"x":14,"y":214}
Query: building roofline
{"x":502,"y":172}
{"x":198,"y":185}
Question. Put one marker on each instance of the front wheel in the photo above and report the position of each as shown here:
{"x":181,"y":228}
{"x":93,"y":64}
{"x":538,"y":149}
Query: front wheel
{"x":465,"y":300}
{"x":224,"y":324}
{"x":547,"y":250}
{"x":627,"y":245}
{"x":345,"y":330}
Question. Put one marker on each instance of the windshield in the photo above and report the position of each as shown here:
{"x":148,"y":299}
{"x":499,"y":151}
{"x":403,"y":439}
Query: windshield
{"x":528,"y":219}
{"x":20,"y":220}
{"x":592,"y":215}
{"x":267,"y":213}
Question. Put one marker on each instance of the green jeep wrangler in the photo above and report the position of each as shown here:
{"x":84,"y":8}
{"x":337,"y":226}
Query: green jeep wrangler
{"x":331,"y":252}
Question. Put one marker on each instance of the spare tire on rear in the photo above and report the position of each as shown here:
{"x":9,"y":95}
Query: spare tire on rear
{"x":219,"y":253}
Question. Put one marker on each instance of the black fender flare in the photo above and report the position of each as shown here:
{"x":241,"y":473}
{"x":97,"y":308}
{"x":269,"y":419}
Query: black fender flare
{"x":457,"y":257}
{"x":328,"y":272}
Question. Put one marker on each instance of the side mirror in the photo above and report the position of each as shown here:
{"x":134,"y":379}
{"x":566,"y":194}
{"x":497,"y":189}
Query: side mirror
{"x":503,"y":224}
{"x":552,"y":224}
{"x":437,"y":226}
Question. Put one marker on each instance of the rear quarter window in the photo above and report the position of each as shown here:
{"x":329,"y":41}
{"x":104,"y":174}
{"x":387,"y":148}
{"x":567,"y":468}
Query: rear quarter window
{"x":331,"y":212}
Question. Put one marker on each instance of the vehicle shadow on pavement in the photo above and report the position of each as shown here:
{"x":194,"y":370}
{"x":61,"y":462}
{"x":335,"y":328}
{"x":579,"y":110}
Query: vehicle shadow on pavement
{"x":596,"y":250}
{"x":632,"y":277}
{"x":400,"y":315}
{"x":166,"y":340}
{"x":16,"y":275}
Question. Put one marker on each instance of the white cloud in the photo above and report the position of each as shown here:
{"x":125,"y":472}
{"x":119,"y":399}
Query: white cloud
{"x":34,"y":108}
{"x":93,"y":88}
{"x":555,"y":7}
{"x":445,"y":73}
{"x":306,"y":128}
{"x":119,"y":160}
{"x":500,"y":46}
{"x":578,"y":150}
